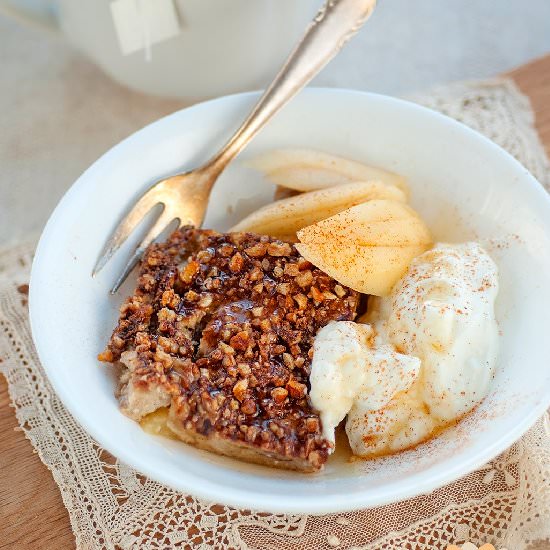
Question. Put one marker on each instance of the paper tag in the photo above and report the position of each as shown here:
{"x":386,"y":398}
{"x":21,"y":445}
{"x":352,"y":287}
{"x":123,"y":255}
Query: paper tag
{"x":141,"y":23}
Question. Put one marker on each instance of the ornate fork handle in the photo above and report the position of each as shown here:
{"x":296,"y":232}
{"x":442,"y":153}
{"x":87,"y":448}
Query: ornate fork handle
{"x":335,"y":23}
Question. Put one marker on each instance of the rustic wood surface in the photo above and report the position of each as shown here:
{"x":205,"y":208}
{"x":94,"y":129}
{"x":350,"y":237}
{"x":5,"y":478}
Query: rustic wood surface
{"x":533,"y":80}
{"x":32,"y":514}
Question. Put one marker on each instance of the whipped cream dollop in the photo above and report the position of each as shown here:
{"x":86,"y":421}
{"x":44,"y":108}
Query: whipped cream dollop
{"x":424,"y":358}
{"x":347,"y":369}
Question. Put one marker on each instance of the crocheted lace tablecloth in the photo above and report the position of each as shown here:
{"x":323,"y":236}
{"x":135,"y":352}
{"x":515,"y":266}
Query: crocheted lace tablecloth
{"x":111,"y":506}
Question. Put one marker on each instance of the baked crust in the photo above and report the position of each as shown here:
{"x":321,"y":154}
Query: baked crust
{"x":221,"y":328}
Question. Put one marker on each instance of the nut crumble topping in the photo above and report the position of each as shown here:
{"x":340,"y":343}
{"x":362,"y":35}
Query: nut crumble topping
{"x":221,"y":328}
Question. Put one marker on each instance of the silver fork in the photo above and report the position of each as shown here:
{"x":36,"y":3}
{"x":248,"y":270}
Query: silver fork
{"x":184,"y":197}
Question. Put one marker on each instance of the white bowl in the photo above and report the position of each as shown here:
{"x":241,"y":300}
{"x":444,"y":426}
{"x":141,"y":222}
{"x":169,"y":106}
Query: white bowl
{"x":463,"y":185}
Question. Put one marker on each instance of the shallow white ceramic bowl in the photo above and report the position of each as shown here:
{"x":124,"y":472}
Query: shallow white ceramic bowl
{"x":462,"y":184}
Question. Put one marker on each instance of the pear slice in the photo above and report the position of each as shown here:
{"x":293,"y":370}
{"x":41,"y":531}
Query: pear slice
{"x":367,"y":247}
{"x":283,"y":218}
{"x":308,"y":170}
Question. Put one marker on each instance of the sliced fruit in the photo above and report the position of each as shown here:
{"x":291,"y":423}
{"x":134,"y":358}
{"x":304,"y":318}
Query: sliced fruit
{"x":367,"y":247}
{"x":284,"y":217}
{"x":309,"y":170}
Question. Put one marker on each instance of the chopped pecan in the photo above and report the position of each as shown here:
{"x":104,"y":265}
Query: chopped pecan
{"x":316,"y":294}
{"x":256,"y":251}
{"x":240,"y":340}
{"x":296,"y":389}
{"x":239,"y":389}
{"x":189,"y":271}
{"x":237,"y":263}
{"x":279,"y":394}
{"x":278,"y":248}
{"x":304,"y":279}
{"x":339,"y":291}
{"x":223,"y":327}
{"x":248,"y":407}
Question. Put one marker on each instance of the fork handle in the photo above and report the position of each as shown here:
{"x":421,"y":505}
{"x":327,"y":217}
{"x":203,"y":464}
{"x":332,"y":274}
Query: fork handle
{"x":335,"y":23}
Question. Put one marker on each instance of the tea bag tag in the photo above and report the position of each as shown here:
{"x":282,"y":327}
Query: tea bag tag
{"x":141,"y":23}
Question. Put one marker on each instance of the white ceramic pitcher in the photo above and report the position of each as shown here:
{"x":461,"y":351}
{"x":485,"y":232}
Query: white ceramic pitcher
{"x":223,"y":46}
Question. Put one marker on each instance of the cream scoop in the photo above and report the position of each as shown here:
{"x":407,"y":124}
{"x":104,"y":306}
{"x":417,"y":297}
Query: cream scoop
{"x":425,"y":358}
{"x":347,"y":369}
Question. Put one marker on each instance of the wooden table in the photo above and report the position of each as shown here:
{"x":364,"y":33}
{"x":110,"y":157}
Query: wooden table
{"x":32,"y":514}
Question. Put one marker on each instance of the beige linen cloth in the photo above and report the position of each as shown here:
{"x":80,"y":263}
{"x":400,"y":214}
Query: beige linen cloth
{"x":111,"y":506}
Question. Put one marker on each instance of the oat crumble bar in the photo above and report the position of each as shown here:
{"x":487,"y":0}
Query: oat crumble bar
{"x":220,"y":329}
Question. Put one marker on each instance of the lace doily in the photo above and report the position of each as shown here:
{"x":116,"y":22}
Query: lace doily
{"x":506,"y":503}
